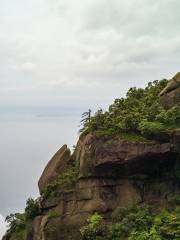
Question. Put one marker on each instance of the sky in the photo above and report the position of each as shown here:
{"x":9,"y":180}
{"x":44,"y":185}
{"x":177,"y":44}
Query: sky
{"x":59,"y":58}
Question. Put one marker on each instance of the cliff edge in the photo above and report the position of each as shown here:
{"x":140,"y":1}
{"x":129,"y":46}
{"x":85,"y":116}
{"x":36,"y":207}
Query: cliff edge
{"x":106,"y":172}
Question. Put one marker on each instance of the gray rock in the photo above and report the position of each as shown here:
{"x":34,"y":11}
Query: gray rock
{"x":170,"y":95}
{"x":54,"y":167}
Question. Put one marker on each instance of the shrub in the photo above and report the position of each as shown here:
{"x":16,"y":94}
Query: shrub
{"x":168,"y":225}
{"x":95,"y":230}
{"x":170,"y":117}
{"x":131,"y":219}
{"x":65,"y":182}
{"x":147,"y":128}
{"x":17,"y":225}
{"x":140,"y":112}
{"x":16,"y":222}
{"x":144,"y":235}
{"x":135,"y":223}
{"x":32,"y":208}
{"x":119,"y":213}
{"x":131,"y":121}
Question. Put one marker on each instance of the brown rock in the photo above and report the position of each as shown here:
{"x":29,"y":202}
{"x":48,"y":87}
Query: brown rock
{"x":170,"y":95}
{"x":102,"y":156}
{"x":113,"y":173}
{"x":38,"y":227}
{"x":54,"y":167}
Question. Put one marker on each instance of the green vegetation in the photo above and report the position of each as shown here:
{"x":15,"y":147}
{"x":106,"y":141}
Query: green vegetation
{"x":65,"y":182}
{"x":19,"y":224}
{"x":139,"y":113}
{"x":134,"y":223}
{"x":95,"y":230}
{"x":32,"y":209}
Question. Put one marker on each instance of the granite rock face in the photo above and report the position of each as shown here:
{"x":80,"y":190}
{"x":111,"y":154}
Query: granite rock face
{"x":54,"y":167}
{"x":100,"y":156}
{"x":38,"y":227}
{"x":113,"y":172}
{"x":170,"y":95}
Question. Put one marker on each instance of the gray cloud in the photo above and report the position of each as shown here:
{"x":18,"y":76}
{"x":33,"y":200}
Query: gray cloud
{"x":73,"y":47}
{"x":135,"y":17}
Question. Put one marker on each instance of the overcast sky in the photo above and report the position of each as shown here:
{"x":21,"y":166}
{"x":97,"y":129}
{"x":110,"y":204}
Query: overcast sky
{"x":76,"y":54}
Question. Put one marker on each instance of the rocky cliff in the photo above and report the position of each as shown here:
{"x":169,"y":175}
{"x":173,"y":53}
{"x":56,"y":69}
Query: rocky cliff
{"x":170,"y":95}
{"x":113,"y":172}
{"x":103,"y":173}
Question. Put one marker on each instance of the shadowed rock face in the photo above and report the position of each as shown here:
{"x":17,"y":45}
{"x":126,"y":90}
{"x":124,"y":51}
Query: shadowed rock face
{"x":54,"y":167}
{"x":170,"y":95}
{"x":116,"y":157}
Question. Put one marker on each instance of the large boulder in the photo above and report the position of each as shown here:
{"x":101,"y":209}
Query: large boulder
{"x":54,"y":167}
{"x":170,"y":95}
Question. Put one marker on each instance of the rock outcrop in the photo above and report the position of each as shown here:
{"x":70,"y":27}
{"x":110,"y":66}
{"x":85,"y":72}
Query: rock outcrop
{"x":97,"y":153}
{"x":170,"y":95}
{"x":54,"y":167}
{"x":113,"y":172}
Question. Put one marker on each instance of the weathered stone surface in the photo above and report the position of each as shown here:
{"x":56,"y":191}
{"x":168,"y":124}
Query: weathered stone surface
{"x":63,"y":229}
{"x":170,"y":95}
{"x":104,"y":156}
{"x":49,"y":202}
{"x":38,"y":227}
{"x":54,"y":167}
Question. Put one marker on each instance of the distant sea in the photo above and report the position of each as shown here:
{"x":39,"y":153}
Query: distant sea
{"x":28,"y":139}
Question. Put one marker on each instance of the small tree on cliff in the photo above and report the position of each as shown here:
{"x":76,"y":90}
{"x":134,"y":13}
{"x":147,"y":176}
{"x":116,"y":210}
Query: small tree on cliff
{"x":85,"y":121}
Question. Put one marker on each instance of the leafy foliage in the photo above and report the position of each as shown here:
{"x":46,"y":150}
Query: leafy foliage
{"x":150,"y":127}
{"x":169,"y":117}
{"x":135,"y":223}
{"x":18,"y":223}
{"x":32,"y":208}
{"x":65,"y":182}
{"x":95,"y":230}
{"x":131,"y":220}
{"x":140,"y":112}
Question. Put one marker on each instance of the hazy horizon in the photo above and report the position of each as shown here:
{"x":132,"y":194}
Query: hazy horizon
{"x":27,"y":144}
